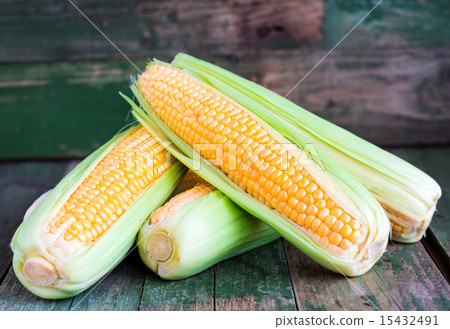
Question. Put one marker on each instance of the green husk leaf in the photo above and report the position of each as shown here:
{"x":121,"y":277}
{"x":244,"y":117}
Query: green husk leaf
{"x":395,"y":183}
{"x":87,"y":265}
{"x":347,"y":264}
{"x":204,"y":232}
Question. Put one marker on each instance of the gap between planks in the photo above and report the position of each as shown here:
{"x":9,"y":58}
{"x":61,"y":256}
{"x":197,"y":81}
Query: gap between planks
{"x":437,"y":253}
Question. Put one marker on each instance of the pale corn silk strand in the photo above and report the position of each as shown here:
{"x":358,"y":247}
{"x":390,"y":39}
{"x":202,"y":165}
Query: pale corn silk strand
{"x":293,"y":191}
{"x":103,"y":34}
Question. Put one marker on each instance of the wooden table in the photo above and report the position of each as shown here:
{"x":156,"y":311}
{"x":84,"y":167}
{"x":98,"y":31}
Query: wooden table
{"x":274,"y":277}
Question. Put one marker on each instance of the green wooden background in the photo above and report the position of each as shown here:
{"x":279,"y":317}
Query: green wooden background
{"x":389,"y":81}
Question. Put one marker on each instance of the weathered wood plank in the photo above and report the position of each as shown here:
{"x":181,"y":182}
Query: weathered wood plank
{"x":393,"y":24}
{"x":20,"y":184}
{"x":56,"y":31}
{"x":405,"y":278}
{"x":120,"y":290}
{"x":15,"y":297}
{"x":257,"y":280}
{"x":66,"y":109}
{"x":388,"y":97}
{"x":393,"y":97}
{"x":192,"y":294}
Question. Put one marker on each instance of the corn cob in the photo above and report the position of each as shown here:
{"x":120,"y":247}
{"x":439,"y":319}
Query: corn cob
{"x":269,"y":172}
{"x":408,"y":195}
{"x":197,"y":229}
{"x":189,"y":181}
{"x":77,"y":232}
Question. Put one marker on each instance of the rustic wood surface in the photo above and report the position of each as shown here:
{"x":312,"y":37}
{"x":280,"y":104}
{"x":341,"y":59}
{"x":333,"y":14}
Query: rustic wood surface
{"x":388,"y":81}
{"x":224,"y":28}
{"x":274,"y":277}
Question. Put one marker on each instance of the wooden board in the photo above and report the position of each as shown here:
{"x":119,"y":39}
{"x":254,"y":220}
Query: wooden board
{"x":192,"y":294}
{"x":274,"y":277}
{"x":405,"y":278}
{"x":56,"y":31}
{"x":257,"y":280}
{"x":119,"y":290}
{"x":61,"y":109}
{"x":392,"y":97}
{"x":20,"y":184}
{"x":15,"y":297}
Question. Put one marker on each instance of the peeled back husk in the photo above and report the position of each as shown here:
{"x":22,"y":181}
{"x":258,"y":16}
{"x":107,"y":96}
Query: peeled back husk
{"x":54,"y":273}
{"x":408,"y":195}
{"x":203,"y":232}
{"x":353,"y":263}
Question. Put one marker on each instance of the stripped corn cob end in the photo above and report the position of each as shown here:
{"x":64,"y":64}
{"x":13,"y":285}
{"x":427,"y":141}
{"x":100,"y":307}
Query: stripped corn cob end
{"x":197,"y":229}
{"x":313,"y":210}
{"x":99,"y":202}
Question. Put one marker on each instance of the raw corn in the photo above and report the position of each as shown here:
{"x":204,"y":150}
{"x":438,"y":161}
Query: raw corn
{"x":189,"y":181}
{"x":78,"y":231}
{"x":408,"y":195}
{"x":306,"y":197}
{"x":197,"y":229}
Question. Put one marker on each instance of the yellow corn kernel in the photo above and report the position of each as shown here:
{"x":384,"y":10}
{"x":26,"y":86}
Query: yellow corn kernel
{"x":96,"y":200}
{"x":199,"y":119}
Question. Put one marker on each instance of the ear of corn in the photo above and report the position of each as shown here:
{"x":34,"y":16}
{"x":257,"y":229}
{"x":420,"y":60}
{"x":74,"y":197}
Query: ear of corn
{"x":76,"y":233}
{"x":408,"y":195}
{"x":189,"y":181}
{"x":318,"y":207}
{"x":197,"y":229}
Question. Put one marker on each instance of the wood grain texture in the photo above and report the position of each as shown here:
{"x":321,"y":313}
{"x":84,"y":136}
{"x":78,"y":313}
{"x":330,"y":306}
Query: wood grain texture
{"x":391,"y":97}
{"x":20,"y":184}
{"x":56,"y":31}
{"x":405,"y":278}
{"x":256,"y":280}
{"x":119,"y":290}
{"x":192,"y":294}
{"x":65,"y":109}
{"x":394,"y":24}
{"x":15,"y":297}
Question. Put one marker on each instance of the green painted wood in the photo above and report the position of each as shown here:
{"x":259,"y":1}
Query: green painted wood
{"x":256,"y":280}
{"x":120,"y":290}
{"x":61,"y":109}
{"x":20,"y":184}
{"x":15,"y":297}
{"x":192,"y":294}
{"x":435,"y":162}
{"x":391,"y":97}
{"x":56,"y":31}
{"x":405,"y":278}
{"x":393,"y":24}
